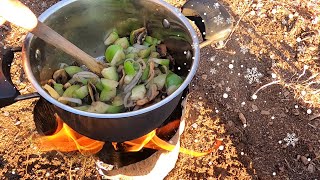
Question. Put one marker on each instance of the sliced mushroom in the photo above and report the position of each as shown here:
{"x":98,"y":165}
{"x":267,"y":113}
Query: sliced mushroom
{"x":138,"y":36}
{"x":51,"y":82}
{"x":94,"y":94}
{"x":151,"y":72}
{"x":152,"y":92}
{"x":162,"y":50}
{"x":142,"y":102}
{"x":60,"y":76}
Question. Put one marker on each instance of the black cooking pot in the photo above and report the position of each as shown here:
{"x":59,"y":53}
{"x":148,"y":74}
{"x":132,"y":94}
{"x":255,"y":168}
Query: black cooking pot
{"x":85,"y":23}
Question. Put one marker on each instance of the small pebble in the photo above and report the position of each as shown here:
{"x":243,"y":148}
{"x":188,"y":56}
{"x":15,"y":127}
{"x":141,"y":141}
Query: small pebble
{"x":304,"y":160}
{"x":242,"y":118}
{"x":6,"y":113}
{"x":264,"y":112}
{"x":221,"y":148}
{"x":295,"y":112}
{"x":311,"y":168}
{"x":254,"y":107}
{"x":204,"y":76}
{"x":195,"y":125}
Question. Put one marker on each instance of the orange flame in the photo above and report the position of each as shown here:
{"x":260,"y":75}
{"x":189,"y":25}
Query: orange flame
{"x":18,"y":14}
{"x":66,"y":139}
{"x":152,"y":141}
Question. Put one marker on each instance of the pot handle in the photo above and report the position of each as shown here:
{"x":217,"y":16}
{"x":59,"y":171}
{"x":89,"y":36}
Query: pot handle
{"x":9,"y":93}
{"x":213,"y":20}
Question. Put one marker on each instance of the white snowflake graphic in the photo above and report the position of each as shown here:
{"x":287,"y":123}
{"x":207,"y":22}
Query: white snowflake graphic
{"x":228,"y":89}
{"x":244,"y":49}
{"x":291,"y":139}
{"x":213,"y":71}
{"x":218,"y":20}
{"x":228,"y":20}
{"x":216,"y":5}
{"x":301,"y":49}
{"x":253,"y":75}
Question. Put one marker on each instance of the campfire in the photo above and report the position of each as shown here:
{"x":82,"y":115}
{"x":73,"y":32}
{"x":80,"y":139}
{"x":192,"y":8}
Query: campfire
{"x":65,"y":139}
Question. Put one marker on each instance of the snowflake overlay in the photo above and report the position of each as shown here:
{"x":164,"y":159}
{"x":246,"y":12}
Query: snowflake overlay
{"x":218,"y":20}
{"x":244,"y":49}
{"x":291,"y":139}
{"x":253,"y":75}
{"x":228,"y":20}
{"x":216,"y":5}
{"x":213,"y":71}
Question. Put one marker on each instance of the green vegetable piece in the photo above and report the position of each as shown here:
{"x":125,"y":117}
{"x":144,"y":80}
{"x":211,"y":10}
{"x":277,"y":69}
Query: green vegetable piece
{"x":117,"y":101}
{"x":111,"y":52}
{"x":131,"y":56}
{"x":173,"y":79}
{"x":138,"y":92}
{"x":156,"y":41}
{"x":128,"y":79}
{"x":118,"y":58}
{"x":109,"y":84}
{"x":145,"y":73}
{"x":110,"y":73}
{"x":153,"y":48}
{"x":154,"y":55}
{"x":164,"y":62}
{"x":107,"y":95}
{"x":81,"y":93}
{"x":129,"y":68}
{"x":98,"y":107}
{"x":144,"y":53}
{"x":115,"y":109}
{"x":99,"y":85}
{"x":123,"y":42}
{"x":72,"y":70}
{"x":111,"y":38}
{"x":70,"y":90}
{"x":82,"y":108}
{"x":160,"y":81}
{"x":149,"y":40}
{"x":59,"y":88}
{"x":146,"y":44}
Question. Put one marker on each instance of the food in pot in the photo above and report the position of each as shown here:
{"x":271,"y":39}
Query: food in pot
{"x":138,"y":72}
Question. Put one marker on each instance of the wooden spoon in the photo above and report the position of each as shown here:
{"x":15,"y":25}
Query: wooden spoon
{"x":20,"y":15}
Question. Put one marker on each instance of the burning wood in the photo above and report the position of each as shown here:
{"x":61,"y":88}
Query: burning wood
{"x":66,"y":139}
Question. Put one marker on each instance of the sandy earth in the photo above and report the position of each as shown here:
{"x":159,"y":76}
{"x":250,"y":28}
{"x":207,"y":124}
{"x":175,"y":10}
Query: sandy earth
{"x":272,"y":41}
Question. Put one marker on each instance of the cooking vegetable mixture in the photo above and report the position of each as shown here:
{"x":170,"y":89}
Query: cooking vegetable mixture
{"x":137,"y":74}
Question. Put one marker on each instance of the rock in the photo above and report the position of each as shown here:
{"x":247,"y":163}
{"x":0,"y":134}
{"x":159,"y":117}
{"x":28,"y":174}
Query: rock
{"x":304,"y":160}
{"x":242,"y":118}
{"x":298,"y":157}
{"x":254,"y":107}
{"x":230,"y":124}
{"x":311,"y":168}
{"x":295,"y":112}
{"x":270,"y":123}
{"x":286,"y":93}
{"x":264,"y":112}
{"x":204,"y":77}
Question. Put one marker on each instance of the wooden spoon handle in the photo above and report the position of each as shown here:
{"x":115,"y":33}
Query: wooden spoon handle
{"x":50,"y":36}
{"x":20,"y":15}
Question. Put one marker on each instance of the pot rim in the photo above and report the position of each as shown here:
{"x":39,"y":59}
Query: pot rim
{"x":43,"y":93}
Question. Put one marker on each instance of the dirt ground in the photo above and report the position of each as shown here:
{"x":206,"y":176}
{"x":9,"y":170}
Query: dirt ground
{"x":270,"y":134}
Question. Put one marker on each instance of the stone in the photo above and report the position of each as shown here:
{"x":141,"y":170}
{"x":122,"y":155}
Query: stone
{"x":311,"y":168}
{"x":242,"y":118}
{"x":254,"y":107}
{"x":304,"y":160}
{"x":295,"y":112}
{"x":264,"y":112}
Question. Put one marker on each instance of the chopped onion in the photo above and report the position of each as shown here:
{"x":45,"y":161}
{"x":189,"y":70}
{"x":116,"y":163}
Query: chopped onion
{"x":80,"y":76}
{"x":125,"y":101}
{"x":140,"y":47}
{"x":51,"y":91}
{"x":72,"y":100}
{"x":134,"y":81}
